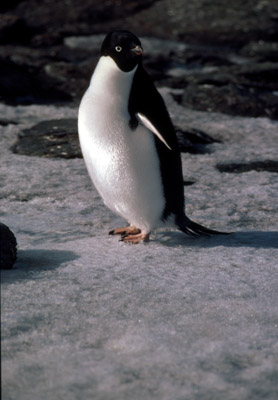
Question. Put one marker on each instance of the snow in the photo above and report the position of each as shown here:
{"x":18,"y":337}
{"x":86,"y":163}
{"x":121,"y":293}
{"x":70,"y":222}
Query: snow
{"x":85,"y":316}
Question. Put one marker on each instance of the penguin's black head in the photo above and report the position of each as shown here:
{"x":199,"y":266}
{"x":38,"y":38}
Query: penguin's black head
{"x":125,"y":49}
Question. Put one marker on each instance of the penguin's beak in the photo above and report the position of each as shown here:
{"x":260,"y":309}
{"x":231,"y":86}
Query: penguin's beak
{"x":138,"y":50}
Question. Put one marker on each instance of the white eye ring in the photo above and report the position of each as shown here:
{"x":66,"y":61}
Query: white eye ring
{"x":118,"y":48}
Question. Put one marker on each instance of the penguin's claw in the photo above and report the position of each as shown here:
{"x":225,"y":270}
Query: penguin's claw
{"x":135,"y":239}
{"x":130,"y":234}
{"x":128,"y":230}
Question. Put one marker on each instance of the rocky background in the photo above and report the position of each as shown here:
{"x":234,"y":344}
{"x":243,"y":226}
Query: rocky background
{"x":222,"y":59}
{"x":84,"y":316}
{"x":227,"y":63}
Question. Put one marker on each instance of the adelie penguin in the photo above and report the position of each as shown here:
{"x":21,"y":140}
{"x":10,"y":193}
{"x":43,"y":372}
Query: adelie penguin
{"x":129,"y":144}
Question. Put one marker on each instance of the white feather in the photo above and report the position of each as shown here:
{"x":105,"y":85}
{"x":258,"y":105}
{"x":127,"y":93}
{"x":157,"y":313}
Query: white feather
{"x":147,"y":123}
{"x":122,"y":163}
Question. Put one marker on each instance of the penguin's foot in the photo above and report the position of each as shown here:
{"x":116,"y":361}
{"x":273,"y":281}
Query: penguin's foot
{"x":135,"y":239}
{"x":128,"y":230}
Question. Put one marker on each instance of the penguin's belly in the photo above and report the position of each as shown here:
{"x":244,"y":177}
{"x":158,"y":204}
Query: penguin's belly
{"x":123,"y":165}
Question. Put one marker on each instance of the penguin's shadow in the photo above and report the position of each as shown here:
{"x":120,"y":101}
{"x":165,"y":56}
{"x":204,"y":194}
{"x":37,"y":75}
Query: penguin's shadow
{"x":34,"y":262}
{"x":254,"y":239}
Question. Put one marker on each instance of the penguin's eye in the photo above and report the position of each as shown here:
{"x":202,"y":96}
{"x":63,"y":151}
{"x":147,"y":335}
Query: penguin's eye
{"x":118,"y":49}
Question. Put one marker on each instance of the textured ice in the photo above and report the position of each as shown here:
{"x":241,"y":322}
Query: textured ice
{"x":87,"y":317}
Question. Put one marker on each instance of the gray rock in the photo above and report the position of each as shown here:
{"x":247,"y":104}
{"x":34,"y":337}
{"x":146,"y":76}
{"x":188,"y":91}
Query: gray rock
{"x":267,"y":165}
{"x":52,"y":138}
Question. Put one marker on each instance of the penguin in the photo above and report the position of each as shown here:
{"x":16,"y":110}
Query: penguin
{"x":130,"y":146}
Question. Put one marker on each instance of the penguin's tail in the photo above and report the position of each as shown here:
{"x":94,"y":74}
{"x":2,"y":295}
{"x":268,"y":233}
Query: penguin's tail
{"x":192,"y":228}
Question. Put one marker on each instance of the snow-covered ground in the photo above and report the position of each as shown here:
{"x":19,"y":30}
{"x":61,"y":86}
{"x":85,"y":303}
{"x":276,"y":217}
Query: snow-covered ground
{"x":85,"y":316}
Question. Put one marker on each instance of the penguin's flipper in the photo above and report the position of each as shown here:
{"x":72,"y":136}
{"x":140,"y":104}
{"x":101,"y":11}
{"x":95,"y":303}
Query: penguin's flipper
{"x":192,"y":228}
{"x":147,"y":106}
{"x":147,"y":123}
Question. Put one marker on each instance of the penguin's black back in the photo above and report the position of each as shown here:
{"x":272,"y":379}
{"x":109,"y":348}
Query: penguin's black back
{"x":144,"y":98}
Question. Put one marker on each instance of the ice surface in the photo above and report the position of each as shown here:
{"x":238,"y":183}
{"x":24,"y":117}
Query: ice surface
{"x":87,"y":317}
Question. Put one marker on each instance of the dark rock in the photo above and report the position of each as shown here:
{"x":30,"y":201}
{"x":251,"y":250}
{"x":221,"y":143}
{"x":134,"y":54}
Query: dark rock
{"x":194,"y":22}
{"x":21,"y":85}
{"x":194,"y":141}
{"x":247,"y":90}
{"x":259,"y":75}
{"x":52,"y":139}
{"x":217,"y":79}
{"x":229,"y":54}
{"x":231,"y":99}
{"x":55,"y":20}
{"x":44,"y":76}
{"x":8,"y":4}
{"x":5,"y":122}
{"x":8,"y":249}
{"x":267,"y":165}
{"x":261,"y":50}
{"x":70,"y":78}
{"x":13,"y":29}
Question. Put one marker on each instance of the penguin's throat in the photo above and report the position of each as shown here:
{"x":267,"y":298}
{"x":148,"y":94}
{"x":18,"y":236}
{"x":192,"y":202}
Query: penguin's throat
{"x":110,"y":81}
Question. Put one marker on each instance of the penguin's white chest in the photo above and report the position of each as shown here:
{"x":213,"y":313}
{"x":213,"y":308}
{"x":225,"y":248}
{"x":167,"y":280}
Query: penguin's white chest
{"x":122,"y":163}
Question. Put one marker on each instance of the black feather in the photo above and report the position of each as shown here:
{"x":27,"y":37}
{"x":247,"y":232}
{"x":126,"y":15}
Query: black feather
{"x":192,"y":228}
{"x":144,"y":98}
